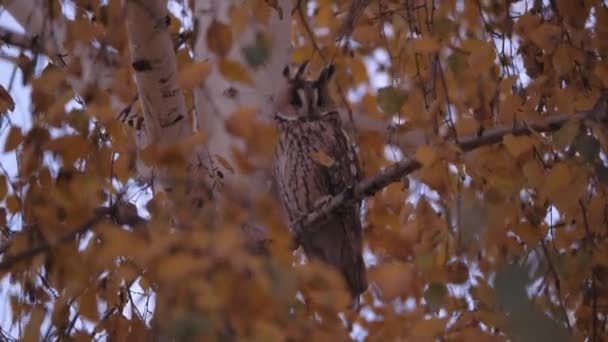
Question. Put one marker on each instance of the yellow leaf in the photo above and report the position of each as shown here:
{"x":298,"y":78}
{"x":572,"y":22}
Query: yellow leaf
{"x":556,"y":179}
{"x":322,"y":158}
{"x":366,"y":34}
{"x":238,"y":19}
{"x":6,"y":101}
{"x":530,"y":234}
{"x":302,"y":53}
{"x":241,"y":121}
{"x":219,"y":38}
{"x":425,"y":45}
{"x":517,"y":145}
{"x":426,"y":155}
{"x":32,"y":331}
{"x":15,"y":137}
{"x":193,"y":75}
{"x":534,"y":173}
{"x":467,"y":126}
{"x":235,"y":71}
{"x":70,"y":147}
{"x":359,"y":71}
{"x":12,"y":204}
{"x":87,"y":305}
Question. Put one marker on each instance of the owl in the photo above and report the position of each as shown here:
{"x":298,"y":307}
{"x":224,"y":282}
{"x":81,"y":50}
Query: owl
{"x":315,"y":160}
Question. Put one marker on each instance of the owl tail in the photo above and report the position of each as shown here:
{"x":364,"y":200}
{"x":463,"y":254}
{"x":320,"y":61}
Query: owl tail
{"x":355,"y":277}
{"x":341,"y":249}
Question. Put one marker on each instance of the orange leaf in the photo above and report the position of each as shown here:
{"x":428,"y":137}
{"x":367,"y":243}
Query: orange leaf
{"x":219,"y":38}
{"x":428,"y":329}
{"x":425,"y":45}
{"x":393,"y":279}
{"x":193,"y":74}
{"x":6,"y":101}
{"x":426,"y":155}
{"x":235,"y":71}
{"x":15,"y":137}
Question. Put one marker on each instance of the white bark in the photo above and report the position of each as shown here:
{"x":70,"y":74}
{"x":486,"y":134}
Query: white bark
{"x":212,"y":104}
{"x":153,"y":59}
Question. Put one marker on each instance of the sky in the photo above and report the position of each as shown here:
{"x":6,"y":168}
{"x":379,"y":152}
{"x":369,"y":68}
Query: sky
{"x":11,"y":80}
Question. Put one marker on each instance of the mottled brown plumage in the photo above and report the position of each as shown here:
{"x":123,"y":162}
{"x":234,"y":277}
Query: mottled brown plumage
{"x":315,"y":159}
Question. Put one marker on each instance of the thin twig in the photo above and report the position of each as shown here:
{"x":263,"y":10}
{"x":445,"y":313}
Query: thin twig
{"x":557,"y":285}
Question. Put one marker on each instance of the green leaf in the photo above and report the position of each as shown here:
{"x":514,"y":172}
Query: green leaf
{"x":566,"y":134}
{"x":434,"y":295}
{"x":258,"y":53}
{"x":587,"y":146}
{"x":602,"y":173}
{"x":390,"y":99}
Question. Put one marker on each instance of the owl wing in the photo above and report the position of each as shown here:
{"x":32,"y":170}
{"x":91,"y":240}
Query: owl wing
{"x":346,"y":170}
{"x":340,"y":239}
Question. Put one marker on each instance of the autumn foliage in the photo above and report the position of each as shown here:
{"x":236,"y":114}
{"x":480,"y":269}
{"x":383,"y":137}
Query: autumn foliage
{"x":482,"y":130}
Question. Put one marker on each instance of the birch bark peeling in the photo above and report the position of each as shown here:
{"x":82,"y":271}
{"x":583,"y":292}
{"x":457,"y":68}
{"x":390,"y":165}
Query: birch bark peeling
{"x":155,"y":65}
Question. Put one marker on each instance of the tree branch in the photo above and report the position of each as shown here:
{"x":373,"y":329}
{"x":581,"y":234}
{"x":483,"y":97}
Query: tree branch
{"x":121,"y":213}
{"x":17,"y":39}
{"x":397,"y":171}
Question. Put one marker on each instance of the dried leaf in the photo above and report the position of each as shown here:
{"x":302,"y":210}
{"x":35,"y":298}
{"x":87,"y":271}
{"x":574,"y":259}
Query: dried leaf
{"x":322,"y":158}
{"x":6,"y":101}
{"x":15,"y":137}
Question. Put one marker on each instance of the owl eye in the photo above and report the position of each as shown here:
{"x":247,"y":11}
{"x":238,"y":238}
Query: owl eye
{"x":294,"y":98}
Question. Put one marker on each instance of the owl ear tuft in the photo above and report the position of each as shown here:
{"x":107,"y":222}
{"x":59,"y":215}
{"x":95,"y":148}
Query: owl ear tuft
{"x":325,"y":75}
{"x":300,"y":71}
{"x":286,"y":72}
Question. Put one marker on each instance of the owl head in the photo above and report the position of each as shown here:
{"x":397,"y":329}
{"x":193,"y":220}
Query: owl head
{"x":308,"y":98}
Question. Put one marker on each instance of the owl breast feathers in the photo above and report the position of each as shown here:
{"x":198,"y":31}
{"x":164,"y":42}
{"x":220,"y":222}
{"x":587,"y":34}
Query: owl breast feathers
{"x":314,"y":160}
